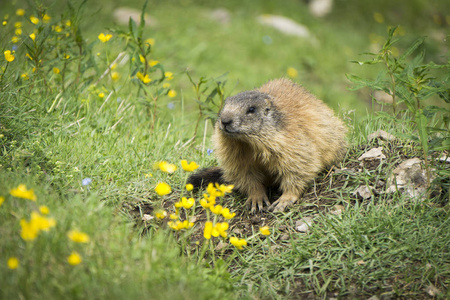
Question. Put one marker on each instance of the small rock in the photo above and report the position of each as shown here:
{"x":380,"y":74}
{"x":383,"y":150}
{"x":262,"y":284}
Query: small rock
{"x":220,"y":246}
{"x":147,"y":217}
{"x":363,"y":192}
{"x":381,"y":96}
{"x":285,"y":25}
{"x":372,"y":154}
{"x":123,"y":15}
{"x":432,"y":290}
{"x":381,"y":134}
{"x":320,"y":8}
{"x":221,"y":15}
{"x":338,"y":209}
{"x":285,"y":237}
{"x":410,"y":177}
{"x":303,"y":225}
{"x":374,"y":297}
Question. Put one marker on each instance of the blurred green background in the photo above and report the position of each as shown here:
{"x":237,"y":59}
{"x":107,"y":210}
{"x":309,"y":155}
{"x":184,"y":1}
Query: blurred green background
{"x":211,"y":38}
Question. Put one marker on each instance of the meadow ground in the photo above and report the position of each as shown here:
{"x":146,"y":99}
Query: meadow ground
{"x":89,"y":108}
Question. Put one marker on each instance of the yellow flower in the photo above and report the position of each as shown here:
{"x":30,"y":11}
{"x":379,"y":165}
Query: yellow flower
{"x":20,"y":12}
{"x":292,"y":72}
{"x":4,"y":23}
{"x":42,"y":223}
{"x":189,"y":187}
{"x":22,"y":192}
{"x":220,"y":229}
{"x":148,"y":175}
{"x":9,"y":56}
{"x":25,"y":76}
{"x":34,"y":20}
{"x":166,"y":85}
{"x":208,"y":230}
{"x":44,"y":210}
{"x":168,"y":75}
{"x":66,"y":56}
{"x":142,"y":58}
{"x":208,"y":201}
{"x":28,"y":231}
{"x":227,"y":215}
{"x":238,"y":243}
{"x":33,"y":36}
{"x":160,"y":214}
{"x":264,"y":230}
{"x":167,"y":167}
{"x":18,"y":25}
{"x":56,"y":70}
{"x":46,"y":18}
{"x":18,"y":31}
{"x":178,"y":225}
{"x":57,"y":28}
{"x":101,"y":95}
{"x":172,"y":93}
{"x":13,"y":263}
{"x":150,"y":42}
{"x":2,"y":199}
{"x":115,"y":76}
{"x":68,"y":23}
{"x":104,"y":37}
{"x":174,"y":216}
{"x":225,"y":189}
{"x":187,"y":203}
{"x":145,"y":79}
{"x":217,"y":210}
{"x":78,"y":236}
{"x":163,"y":189}
{"x":189,"y":167}
{"x":29,"y":56}
{"x":153,"y":63}
{"x":378,"y":17}
{"x":74,"y":258}
{"x":15,"y":39}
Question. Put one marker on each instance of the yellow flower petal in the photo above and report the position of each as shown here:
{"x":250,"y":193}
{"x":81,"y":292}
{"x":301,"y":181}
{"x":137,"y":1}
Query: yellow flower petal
{"x":78,"y":236}
{"x":189,"y":167}
{"x":264,"y":230}
{"x":74,"y":258}
{"x":163,"y":189}
{"x":13,"y":263}
{"x":22,"y":192}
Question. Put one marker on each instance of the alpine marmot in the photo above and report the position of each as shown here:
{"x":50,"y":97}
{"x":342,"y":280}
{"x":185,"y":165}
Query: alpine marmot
{"x":278,"y":135}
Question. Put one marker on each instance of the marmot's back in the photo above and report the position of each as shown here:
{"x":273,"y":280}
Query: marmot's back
{"x":279,"y":134}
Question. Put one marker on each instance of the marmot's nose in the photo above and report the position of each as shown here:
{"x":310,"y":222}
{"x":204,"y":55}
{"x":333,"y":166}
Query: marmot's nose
{"x":226,"y":121}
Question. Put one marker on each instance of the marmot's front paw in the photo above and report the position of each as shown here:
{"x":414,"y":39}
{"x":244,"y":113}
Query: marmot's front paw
{"x":254,"y":200}
{"x":283,"y":202}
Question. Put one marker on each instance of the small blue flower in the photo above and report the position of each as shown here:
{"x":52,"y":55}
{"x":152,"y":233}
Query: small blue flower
{"x":209,"y":151}
{"x":86,"y":181}
{"x":14,"y":47}
{"x":267,"y":40}
{"x":171,"y":105}
{"x":119,"y":99}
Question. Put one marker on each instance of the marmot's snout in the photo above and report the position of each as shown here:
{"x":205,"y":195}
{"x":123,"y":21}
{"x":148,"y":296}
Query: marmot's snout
{"x":227,"y":124}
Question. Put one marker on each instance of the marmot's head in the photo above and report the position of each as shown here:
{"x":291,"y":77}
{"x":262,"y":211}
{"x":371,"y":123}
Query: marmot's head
{"x":249,"y":113}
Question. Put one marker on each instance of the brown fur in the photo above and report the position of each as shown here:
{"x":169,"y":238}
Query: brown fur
{"x":278,"y":135}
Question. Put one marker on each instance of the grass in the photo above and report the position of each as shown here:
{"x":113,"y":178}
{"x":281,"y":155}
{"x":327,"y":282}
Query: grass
{"x":51,"y":140}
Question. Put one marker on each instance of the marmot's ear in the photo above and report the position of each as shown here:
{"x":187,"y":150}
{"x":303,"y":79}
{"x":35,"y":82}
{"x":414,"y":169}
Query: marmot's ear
{"x":268,"y":100}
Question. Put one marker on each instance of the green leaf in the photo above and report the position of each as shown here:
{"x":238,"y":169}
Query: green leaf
{"x":412,"y":48}
{"x":132,"y":27}
{"x":142,"y":24}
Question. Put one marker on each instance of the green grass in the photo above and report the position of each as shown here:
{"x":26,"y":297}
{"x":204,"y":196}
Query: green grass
{"x":50,"y":140}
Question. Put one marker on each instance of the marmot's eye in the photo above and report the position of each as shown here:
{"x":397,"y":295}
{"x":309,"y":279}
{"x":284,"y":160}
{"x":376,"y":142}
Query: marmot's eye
{"x":251,"y":110}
